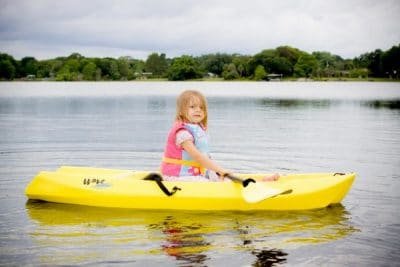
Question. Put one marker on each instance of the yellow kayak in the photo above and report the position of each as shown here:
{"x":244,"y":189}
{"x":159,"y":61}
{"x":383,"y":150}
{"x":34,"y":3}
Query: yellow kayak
{"x":116,"y":188}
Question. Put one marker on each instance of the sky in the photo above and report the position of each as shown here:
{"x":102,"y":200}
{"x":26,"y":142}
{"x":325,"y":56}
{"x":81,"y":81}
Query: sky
{"x":49,"y":28}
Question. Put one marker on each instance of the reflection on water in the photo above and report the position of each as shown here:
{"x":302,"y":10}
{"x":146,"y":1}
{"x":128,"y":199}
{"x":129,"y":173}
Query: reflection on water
{"x":296,"y":103}
{"x":270,"y":257}
{"x":189,"y":238}
{"x":389,"y":104}
{"x":185,"y":243}
{"x":319,"y":103}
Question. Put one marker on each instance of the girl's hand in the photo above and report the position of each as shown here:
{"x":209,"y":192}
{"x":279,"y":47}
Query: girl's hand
{"x":223,"y":173}
{"x":271,"y":178}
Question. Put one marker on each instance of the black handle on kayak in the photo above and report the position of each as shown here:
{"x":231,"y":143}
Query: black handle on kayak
{"x":158,"y":179}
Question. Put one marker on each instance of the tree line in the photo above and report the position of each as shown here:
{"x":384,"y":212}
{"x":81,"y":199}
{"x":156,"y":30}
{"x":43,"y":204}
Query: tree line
{"x":284,"y":61}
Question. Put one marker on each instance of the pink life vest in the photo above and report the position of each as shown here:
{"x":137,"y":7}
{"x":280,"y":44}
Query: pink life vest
{"x":176,"y":161}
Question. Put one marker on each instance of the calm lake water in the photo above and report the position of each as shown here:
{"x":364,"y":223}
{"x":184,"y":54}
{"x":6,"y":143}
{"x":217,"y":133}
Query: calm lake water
{"x":284,"y":127}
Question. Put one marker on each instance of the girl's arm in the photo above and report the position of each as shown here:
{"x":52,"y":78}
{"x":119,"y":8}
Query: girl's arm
{"x":205,"y":161}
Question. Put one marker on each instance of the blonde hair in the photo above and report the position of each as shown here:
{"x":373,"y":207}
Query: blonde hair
{"x":183,"y":102}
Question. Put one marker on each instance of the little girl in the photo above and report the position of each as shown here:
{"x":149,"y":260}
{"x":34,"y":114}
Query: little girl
{"x":186,"y":154}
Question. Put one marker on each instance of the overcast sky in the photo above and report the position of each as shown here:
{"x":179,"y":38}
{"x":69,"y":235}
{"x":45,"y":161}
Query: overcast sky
{"x":51,"y":28}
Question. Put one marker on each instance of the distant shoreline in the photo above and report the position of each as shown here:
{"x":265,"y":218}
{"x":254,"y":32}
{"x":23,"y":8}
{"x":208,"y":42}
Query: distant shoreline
{"x":324,"y":79}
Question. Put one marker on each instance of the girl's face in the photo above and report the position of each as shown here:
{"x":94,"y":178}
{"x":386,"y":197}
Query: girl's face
{"x":195,"y":111}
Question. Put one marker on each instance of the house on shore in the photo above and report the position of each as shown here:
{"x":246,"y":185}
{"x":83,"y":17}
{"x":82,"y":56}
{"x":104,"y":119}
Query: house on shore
{"x":274,"y":77}
{"x":143,"y":75}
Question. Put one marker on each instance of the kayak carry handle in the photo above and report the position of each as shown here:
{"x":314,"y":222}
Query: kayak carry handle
{"x":158,"y":179}
{"x":338,"y":173}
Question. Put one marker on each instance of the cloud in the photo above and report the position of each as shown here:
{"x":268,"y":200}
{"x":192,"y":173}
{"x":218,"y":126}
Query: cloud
{"x":45,"y":28}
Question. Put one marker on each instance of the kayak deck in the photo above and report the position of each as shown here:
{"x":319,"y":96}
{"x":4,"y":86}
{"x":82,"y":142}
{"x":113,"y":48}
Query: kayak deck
{"x":116,"y":188}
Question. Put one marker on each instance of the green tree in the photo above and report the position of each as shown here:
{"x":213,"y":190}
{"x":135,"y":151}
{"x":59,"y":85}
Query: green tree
{"x":326,"y":63}
{"x":7,"y":69}
{"x":76,"y":56}
{"x":306,"y":66}
{"x":184,"y":68}
{"x":272,"y":62}
{"x":28,"y":66}
{"x":359,"y":73}
{"x":372,"y":61}
{"x":64,"y":75}
{"x":105,"y":67}
{"x":56,"y":66}
{"x":89,"y":71}
{"x":215,"y":63}
{"x":391,"y":62}
{"x":263,"y":58}
{"x":230,"y":72}
{"x":375,"y":65}
{"x":348,"y":64}
{"x":260,"y":73}
{"x":44,"y":69}
{"x":124,"y":68}
{"x":114,"y":71}
{"x":70,"y":70}
{"x":138,"y":66}
{"x":73,"y":65}
{"x":290,"y":53}
{"x":156,"y":64}
{"x":242,"y":65}
{"x":98,"y":74}
{"x":281,"y":65}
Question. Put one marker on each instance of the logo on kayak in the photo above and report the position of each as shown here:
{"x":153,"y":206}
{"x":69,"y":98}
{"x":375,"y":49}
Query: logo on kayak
{"x":96,"y":182}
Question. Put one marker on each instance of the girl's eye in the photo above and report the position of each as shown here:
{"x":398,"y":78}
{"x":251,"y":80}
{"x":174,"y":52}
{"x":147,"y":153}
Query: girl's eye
{"x":194,"y":106}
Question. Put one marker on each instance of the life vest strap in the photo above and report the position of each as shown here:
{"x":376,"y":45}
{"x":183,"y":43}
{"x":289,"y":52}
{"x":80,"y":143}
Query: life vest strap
{"x":189,"y":163}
